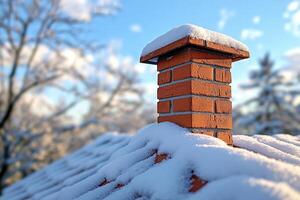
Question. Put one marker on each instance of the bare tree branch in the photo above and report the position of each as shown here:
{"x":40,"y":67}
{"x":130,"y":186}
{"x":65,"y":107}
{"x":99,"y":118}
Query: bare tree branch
{"x":46,"y":57}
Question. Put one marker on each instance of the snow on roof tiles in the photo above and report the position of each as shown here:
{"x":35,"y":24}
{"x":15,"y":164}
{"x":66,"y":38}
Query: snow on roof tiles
{"x":195,"y":32}
{"x":164,"y":161}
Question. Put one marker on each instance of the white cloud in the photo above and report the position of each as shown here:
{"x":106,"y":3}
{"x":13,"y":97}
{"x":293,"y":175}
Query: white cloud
{"x":129,"y":65}
{"x":136,"y":28}
{"x":292,"y":69}
{"x":294,"y":5}
{"x":292,"y":15}
{"x":83,"y":10}
{"x":42,"y":104}
{"x":115,"y":61}
{"x":106,"y":7}
{"x":65,"y":60}
{"x":293,"y":53}
{"x":293,"y":58}
{"x":251,"y":34}
{"x":78,"y":9}
{"x":256,"y":19}
{"x":122,"y":63}
{"x":225,"y":15}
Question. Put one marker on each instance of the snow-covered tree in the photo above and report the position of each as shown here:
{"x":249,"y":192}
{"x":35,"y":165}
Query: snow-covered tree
{"x":273,"y":108}
{"x":52,"y":76}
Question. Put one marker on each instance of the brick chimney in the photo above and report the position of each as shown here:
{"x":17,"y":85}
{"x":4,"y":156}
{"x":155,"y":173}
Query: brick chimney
{"x":194,"y":78}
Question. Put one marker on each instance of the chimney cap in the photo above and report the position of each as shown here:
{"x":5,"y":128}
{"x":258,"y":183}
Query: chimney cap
{"x":192,"y":35}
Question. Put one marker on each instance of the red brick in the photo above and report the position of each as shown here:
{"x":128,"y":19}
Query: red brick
{"x":181,"y":120}
{"x":211,"y":121}
{"x":119,"y":185}
{"x":194,"y":87}
{"x":199,"y":120}
{"x":104,"y":182}
{"x":163,"y":106}
{"x":190,"y":54}
{"x":223,"y":106}
{"x":217,"y":62}
{"x":170,"y":61}
{"x":196,"y":183}
{"x":222,"y":75}
{"x":223,"y":48}
{"x":226,"y":136}
{"x":173,"y":90}
{"x":236,"y":53}
{"x":193,"y":71}
{"x":182,"y":72}
{"x":210,"y":89}
{"x":198,"y":104}
{"x":160,"y":157}
{"x":164,"y":77}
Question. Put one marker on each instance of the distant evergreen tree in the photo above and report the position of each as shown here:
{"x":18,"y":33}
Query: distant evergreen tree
{"x":272,"y":110}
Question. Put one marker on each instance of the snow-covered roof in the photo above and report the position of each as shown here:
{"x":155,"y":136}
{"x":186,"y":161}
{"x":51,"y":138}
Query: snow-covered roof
{"x":164,"y":161}
{"x":195,"y":32}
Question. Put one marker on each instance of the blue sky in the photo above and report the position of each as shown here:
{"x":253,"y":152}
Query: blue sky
{"x":262,"y":22}
{"x":263,"y":25}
